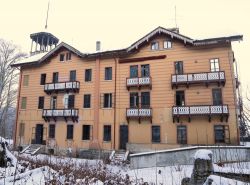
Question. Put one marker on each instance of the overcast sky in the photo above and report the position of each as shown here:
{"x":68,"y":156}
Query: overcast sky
{"x":119,"y":23}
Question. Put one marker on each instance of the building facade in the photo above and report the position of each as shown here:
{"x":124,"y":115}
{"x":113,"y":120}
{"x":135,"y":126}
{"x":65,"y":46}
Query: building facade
{"x":164,"y":91}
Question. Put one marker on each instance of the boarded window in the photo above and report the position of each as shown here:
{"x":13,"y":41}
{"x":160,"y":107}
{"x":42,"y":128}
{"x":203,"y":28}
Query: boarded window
{"x":26,"y":80}
{"x":43,"y":79}
{"x":133,"y":71}
{"x":145,"y":99}
{"x":87,"y":101}
{"x":21,"y":129}
{"x":181,"y":134}
{"x":107,"y":133}
{"x":24,"y":103}
{"x":40,"y":102}
{"x":52,"y":130}
{"x":86,"y":131}
{"x":108,"y":73}
{"x":88,"y":75}
{"x":145,"y":70}
{"x":156,"y":134}
{"x":214,"y":65}
{"x":178,"y":67}
{"x":70,"y":131}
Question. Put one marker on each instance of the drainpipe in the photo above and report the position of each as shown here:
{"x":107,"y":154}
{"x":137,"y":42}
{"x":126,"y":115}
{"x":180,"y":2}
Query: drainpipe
{"x":17,"y":106}
{"x":113,"y":147}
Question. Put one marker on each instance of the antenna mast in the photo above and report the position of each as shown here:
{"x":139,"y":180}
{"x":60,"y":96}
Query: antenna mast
{"x":175,"y":16}
{"x":46,"y":25}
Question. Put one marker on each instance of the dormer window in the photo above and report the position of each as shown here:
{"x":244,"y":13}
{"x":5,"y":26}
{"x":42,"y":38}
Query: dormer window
{"x":154,"y":46}
{"x":68,"y":56}
{"x":61,"y":57}
{"x":167,"y":44}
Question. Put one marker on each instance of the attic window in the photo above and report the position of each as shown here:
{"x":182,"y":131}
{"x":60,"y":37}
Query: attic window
{"x":68,"y":56}
{"x":154,"y":46}
{"x":167,"y":44}
{"x":61,"y":57}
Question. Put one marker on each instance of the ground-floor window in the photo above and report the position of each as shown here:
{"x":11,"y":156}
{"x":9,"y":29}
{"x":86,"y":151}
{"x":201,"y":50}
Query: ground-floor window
{"x":219,"y":134}
{"x":156,"y":134}
{"x":21,"y":129}
{"x":86,"y":130}
{"x":52,"y":130}
{"x":70,"y":131}
{"x":181,"y":134}
{"x":107,"y":133}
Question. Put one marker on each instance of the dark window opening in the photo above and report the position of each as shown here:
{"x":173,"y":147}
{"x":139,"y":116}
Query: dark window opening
{"x":134,"y":100}
{"x":68,"y":56}
{"x":88,"y":75}
{"x":219,"y":134}
{"x":107,"y":100}
{"x":178,"y":67}
{"x":72,"y":76}
{"x":107,"y":133}
{"x":180,"y":98}
{"x":70,"y":131}
{"x":52,"y":130}
{"x":43,"y":79}
{"x":71,"y":101}
{"x":108,"y":73}
{"x":87,"y":101}
{"x":181,"y":134}
{"x":61,"y":57}
{"x":41,"y":102}
{"x":145,"y":70}
{"x":217,"y":97}
{"x":133,"y":71}
{"x":156,"y":134}
{"x":55,"y":77}
{"x":145,"y":99}
{"x":86,"y":130}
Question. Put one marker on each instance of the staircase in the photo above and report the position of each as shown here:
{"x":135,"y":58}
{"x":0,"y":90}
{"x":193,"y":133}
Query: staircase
{"x":120,"y":156}
{"x":31,"y":149}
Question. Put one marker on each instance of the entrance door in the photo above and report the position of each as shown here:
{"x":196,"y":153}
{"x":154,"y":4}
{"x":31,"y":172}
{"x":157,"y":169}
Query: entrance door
{"x":123,"y":136}
{"x":39,"y":134}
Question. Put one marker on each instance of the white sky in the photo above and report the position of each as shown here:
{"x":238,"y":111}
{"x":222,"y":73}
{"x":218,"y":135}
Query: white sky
{"x":119,"y":23}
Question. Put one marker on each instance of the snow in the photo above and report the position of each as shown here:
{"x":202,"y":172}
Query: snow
{"x":203,"y":154}
{"x":217,"y":180}
{"x":33,"y":58}
{"x":240,"y":169}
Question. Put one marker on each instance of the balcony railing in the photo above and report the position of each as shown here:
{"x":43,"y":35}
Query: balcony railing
{"x":139,"y":113}
{"x":139,"y":82}
{"x":60,"y":113}
{"x":199,"y":78}
{"x":200,"y":110}
{"x":62,"y":86}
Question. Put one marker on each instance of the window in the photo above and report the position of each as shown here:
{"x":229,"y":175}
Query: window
{"x":108,"y":73}
{"x":41,"y":102}
{"x":88,"y":75}
{"x":154,"y":46}
{"x":178,"y":67}
{"x":70,"y":131}
{"x":134,"y":100}
{"x":145,"y":71}
{"x":71,"y":101}
{"x":133,"y":71}
{"x":219,"y":134}
{"x":156,"y":134}
{"x":87,"y":101}
{"x":55,"y":77}
{"x":217,"y":97}
{"x":214,"y":65}
{"x":68,"y":56}
{"x":72,"y":76}
{"x":21,"y":129}
{"x":43,"y":79}
{"x":107,"y":100}
{"x":86,"y":130}
{"x":107,"y":133}
{"x":53,"y":102}
{"x":145,"y":99}
{"x":167,"y":44}
{"x":61,"y":57}
{"x":181,"y":134}
{"x":23,"y":102}
{"x":52,"y":130}
{"x":26,"y":80}
{"x":179,"y":98}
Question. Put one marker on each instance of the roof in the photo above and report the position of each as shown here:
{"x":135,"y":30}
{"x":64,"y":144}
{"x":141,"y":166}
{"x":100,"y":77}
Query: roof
{"x":173,"y":33}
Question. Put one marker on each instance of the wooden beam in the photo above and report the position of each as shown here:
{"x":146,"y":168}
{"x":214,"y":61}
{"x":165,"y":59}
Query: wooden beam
{"x":141,"y":59}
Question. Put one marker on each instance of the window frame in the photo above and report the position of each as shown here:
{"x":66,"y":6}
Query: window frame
{"x":107,"y":138}
{"x":69,"y":135}
{"x":148,"y":100}
{"x":43,"y":79}
{"x":216,"y":140}
{"x":181,"y":141}
{"x":72,"y":74}
{"x":88,"y":75}
{"x":212,"y":63}
{"x":52,"y":135}
{"x":40,"y":102}
{"x":153,"y":44}
{"x":52,"y":104}
{"x":176,"y":70}
{"x":136,"y":102}
{"x":26,"y":80}
{"x":68,"y":56}
{"x":23,"y":102}
{"x":108,"y":74}
{"x":110,"y":103}
{"x":84,"y":138}
{"x":218,"y":101}
{"x":156,"y":137}
{"x":167,"y":41}
{"x":84,"y":101}
{"x":144,"y":71}
{"x":62,"y":57}
{"x":21,"y":129}
{"x":181,"y":101}
{"x":55,"y":77}
{"x":137,"y":71}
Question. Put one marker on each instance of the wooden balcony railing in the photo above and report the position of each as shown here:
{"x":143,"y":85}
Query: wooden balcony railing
{"x":198,"y":78}
{"x":139,"y":113}
{"x":200,"y":110}
{"x":139,"y":82}
{"x":62,"y":87}
{"x":60,"y":113}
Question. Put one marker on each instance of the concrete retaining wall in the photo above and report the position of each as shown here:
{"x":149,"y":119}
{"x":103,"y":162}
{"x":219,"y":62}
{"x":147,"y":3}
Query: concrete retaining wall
{"x":184,"y":156}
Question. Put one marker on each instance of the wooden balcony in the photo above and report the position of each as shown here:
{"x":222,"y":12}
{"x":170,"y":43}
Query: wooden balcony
{"x":139,"y":82}
{"x":200,"y":110}
{"x":62,"y":87}
{"x":205,"y":78}
{"x":56,"y":114}
{"x":139,"y":113}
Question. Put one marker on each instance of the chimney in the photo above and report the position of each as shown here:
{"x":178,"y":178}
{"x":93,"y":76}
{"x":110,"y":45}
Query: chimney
{"x":98,"y":46}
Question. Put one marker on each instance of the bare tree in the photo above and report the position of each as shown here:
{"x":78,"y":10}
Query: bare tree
{"x":9,"y":54}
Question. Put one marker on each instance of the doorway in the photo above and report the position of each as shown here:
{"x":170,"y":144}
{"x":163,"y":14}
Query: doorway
{"x":123,"y":136}
{"x":39,"y":134}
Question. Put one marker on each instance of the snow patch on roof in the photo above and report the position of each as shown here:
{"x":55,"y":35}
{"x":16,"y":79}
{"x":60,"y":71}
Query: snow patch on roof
{"x":203,"y":154}
{"x":33,"y":58}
